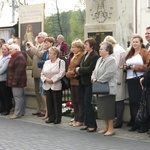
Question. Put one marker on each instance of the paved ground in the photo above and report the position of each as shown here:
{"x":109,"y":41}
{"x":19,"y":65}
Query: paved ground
{"x":31,"y":133}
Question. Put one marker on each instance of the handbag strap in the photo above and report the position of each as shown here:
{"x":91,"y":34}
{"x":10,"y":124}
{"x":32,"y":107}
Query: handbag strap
{"x":135,"y":73}
{"x":143,"y":98}
{"x":59,"y":63}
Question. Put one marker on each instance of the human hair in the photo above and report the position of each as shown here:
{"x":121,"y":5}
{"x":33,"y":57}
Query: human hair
{"x":132,"y":50}
{"x":79,"y":44}
{"x":108,"y":46}
{"x":55,"y":50}
{"x":10,"y":41}
{"x":14,"y":47}
{"x":110,"y":39}
{"x":61,"y":36}
{"x":6,"y":45}
{"x":2,"y":41}
{"x":42,"y":34}
{"x":50,"y":39}
{"x":147,"y":28}
{"x":92,"y":42}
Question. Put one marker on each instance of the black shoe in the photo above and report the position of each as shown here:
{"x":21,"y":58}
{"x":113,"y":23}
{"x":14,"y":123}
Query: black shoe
{"x":148,"y":132}
{"x":91,"y":130}
{"x":49,"y":121}
{"x":5,"y":113}
{"x":1,"y":111}
{"x":117,"y":125}
{"x":142,"y":131}
{"x":132,"y":129}
{"x":84,"y":128}
{"x":57,"y":122}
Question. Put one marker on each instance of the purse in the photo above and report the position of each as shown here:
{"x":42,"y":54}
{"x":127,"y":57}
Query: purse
{"x":142,"y":114}
{"x":100,"y":88}
{"x":65,"y":81}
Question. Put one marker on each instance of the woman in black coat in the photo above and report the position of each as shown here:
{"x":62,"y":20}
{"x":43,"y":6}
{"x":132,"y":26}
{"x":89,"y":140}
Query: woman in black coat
{"x":85,"y":69}
{"x":145,"y":83}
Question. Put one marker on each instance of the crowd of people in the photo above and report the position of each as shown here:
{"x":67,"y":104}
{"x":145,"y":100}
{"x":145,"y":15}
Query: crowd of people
{"x":121,"y":69}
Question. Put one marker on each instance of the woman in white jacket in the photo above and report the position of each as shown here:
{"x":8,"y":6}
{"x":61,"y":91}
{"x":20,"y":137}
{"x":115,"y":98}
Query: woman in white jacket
{"x":51,"y":75}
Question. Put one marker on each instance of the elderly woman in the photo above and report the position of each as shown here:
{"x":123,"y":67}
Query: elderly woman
{"x":5,"y":97}
{"x":119,"y":54}
{"x":16,"y":79}
{"x":52,"y":72}
{"x":85,"y":69}
{"x":105,"y":71}
{"x":136,"y":63}
{"x":78,"y":50}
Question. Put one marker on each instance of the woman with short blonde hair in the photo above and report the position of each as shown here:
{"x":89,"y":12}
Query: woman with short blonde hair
{"x":119,"y":54}
{"x":51,"y":75}
{"x":77,"y":47}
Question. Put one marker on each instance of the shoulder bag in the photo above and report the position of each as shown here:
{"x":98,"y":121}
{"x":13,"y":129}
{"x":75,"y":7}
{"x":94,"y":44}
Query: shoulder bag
{"x":65,"y":81}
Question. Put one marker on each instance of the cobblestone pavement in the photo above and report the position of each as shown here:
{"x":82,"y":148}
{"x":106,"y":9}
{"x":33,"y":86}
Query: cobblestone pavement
{"x":31,"y":133}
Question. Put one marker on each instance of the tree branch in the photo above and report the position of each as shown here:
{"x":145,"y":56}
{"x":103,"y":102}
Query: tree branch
{"x":58,"y":17}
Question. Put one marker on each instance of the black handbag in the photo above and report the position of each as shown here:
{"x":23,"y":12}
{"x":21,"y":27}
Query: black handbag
{"x":142,"y":114}
{"x":100,"y":88}
{"x":65,"y":83}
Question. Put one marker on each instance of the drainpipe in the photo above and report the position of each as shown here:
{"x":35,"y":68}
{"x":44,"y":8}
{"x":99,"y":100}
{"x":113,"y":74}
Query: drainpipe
{"x":13,"y":11}
{"x":135,"y":16}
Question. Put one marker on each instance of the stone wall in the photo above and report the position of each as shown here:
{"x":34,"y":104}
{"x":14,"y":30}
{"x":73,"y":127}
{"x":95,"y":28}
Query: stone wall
{"x":110,"y":16}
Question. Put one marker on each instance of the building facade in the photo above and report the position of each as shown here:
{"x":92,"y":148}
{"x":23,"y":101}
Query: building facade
{"x":120,"y":18}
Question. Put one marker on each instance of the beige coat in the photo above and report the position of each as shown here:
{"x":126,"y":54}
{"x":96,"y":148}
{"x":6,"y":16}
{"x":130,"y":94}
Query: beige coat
{"x":119,"y":54}
{"x":55,"y":71}
{"x":35,"y":54}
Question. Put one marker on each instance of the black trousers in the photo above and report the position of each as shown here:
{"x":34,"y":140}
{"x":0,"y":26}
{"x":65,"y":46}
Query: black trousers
{"x":78,"y":103}
{"x":135,"y":91}
{"x":119,"y":110}
{"x":54,"y":105}
{"x":5,"y":97}
{"x":86,"y":95}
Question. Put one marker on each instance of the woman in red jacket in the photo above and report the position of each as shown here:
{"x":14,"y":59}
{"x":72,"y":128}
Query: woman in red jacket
{"x":16,"y":79}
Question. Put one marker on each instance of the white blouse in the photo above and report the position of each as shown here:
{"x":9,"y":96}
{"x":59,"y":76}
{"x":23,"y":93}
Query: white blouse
{"x":135,"y":60}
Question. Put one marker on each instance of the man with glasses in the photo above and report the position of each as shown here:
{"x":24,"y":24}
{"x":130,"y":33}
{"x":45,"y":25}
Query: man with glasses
{"x":35,"y":53}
